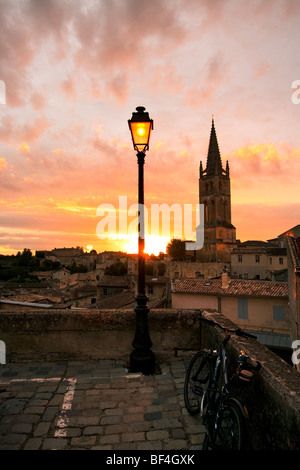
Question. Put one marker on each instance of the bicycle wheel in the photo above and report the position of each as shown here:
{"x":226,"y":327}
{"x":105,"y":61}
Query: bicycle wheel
{"x":196,"y":381}
{"x":231,"y":433}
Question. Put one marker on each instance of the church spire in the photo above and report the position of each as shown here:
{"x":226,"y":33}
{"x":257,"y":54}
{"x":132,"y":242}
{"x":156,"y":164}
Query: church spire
{"x":213,"y":163}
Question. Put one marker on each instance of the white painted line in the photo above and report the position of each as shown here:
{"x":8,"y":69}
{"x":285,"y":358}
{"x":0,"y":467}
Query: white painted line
{"x":37,"y":380}
{"x":2,"y":347}
{"x":63,"y":420}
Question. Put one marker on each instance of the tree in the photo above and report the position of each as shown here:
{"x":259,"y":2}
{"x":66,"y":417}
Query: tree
{"x":24,"y":258}
{"x":77,"y":268}
{"x":116,"y":269}
{"x":176,"y":250}
{"x":49,"y":265}
{"x":161,"y":269}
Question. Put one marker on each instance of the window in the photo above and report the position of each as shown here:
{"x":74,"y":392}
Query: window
{"x":257,"y":258}
{"x":150,"y":289}
{"x":240,"y":258}
{"x":278,"y":312}
{"x":104,"y":291}
{"x":213,"y":210}
{"x":205,"y":211}
{"x":270,"y":260}
{"x":243,"y":309}
{"x":256,"y":276}
{"x":199,"y":275}
{"x":280,"y":260}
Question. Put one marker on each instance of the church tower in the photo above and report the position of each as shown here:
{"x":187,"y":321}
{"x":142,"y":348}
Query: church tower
{"x":214,"y":194}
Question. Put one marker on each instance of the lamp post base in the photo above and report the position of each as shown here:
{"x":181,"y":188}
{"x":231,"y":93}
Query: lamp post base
{"x":142,"y":361}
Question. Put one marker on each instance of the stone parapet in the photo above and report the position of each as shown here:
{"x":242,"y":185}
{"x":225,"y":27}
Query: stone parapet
{"x":273,"y":397}
{"x":92,"y":334}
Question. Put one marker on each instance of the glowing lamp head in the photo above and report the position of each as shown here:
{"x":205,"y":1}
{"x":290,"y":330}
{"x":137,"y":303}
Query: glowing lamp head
{"x":140,"y":126}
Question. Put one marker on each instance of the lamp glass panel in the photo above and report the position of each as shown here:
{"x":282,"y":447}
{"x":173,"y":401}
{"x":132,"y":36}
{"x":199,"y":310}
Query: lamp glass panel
{"x":140,"y":134}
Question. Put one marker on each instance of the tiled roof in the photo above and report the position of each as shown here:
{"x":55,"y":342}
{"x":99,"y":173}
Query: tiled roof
{"x":269,"y":250}
{"x":235,"y":287}
{"x":86,"y":288}
{"x":114,"y":281}
{"x":248,"y":250}
{"x":25,"y":304}
{"x":293,"y":250}
{"x":125,"y":299}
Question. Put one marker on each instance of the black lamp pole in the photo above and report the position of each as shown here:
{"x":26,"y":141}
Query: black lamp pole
{"x":142,"y":359}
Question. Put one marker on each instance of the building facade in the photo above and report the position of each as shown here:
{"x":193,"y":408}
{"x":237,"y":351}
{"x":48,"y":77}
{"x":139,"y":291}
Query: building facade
{"x":259,"y":260}
{"x":261,"y":307}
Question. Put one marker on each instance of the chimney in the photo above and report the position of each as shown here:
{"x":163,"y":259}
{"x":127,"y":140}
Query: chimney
{"x":225,"y":280}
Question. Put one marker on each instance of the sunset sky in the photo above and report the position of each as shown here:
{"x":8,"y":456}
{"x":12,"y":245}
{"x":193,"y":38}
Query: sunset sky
{"x":74,"y":72}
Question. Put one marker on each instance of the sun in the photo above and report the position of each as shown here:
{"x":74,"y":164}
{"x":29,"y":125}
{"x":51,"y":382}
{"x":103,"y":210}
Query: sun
{"x":154,"y":244}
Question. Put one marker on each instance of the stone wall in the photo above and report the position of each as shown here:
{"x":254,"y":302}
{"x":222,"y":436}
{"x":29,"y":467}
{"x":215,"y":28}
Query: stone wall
{"x":193,"y":270}
{"x":92,"y":334}
{"x":273,"y":397}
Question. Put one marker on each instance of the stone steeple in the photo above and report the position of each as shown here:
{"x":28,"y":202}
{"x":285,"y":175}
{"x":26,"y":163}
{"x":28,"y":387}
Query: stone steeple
{"x":214,"y":162}
{"x":214,"y":194}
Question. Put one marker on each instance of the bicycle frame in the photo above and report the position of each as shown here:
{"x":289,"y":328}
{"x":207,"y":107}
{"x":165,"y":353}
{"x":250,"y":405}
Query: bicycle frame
{"x":206,"y":391}
{"x":214,"y":407}
{"x":221,"y":359}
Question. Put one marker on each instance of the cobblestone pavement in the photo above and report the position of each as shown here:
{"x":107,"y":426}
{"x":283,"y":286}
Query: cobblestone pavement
{"x":70,"y":405}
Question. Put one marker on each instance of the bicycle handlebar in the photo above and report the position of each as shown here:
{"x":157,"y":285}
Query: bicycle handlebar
{"x":236,"y":331}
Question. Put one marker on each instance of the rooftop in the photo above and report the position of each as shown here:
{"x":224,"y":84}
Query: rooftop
{"x":235,"y":287}
{"x":114,"y":281}
{"x":257,"y":249}
{"x":294,"y":253}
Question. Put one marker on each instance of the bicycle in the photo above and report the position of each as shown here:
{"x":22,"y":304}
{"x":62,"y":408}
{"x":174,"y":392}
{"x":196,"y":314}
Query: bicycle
{"x":223,"y":415}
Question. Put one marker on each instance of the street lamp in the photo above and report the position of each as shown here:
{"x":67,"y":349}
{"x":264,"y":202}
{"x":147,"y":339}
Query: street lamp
{"x":142,"y":359}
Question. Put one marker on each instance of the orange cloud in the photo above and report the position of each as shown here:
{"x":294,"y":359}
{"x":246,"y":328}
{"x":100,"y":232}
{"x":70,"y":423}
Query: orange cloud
{"x":261,"y":174}
{"x":68,"y":87}
{"x":266,"y":161}
{"x":24,"y":148}
{"x":12,"y":131}
{"x":63,"y":77}
{"x":3,"y":164}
